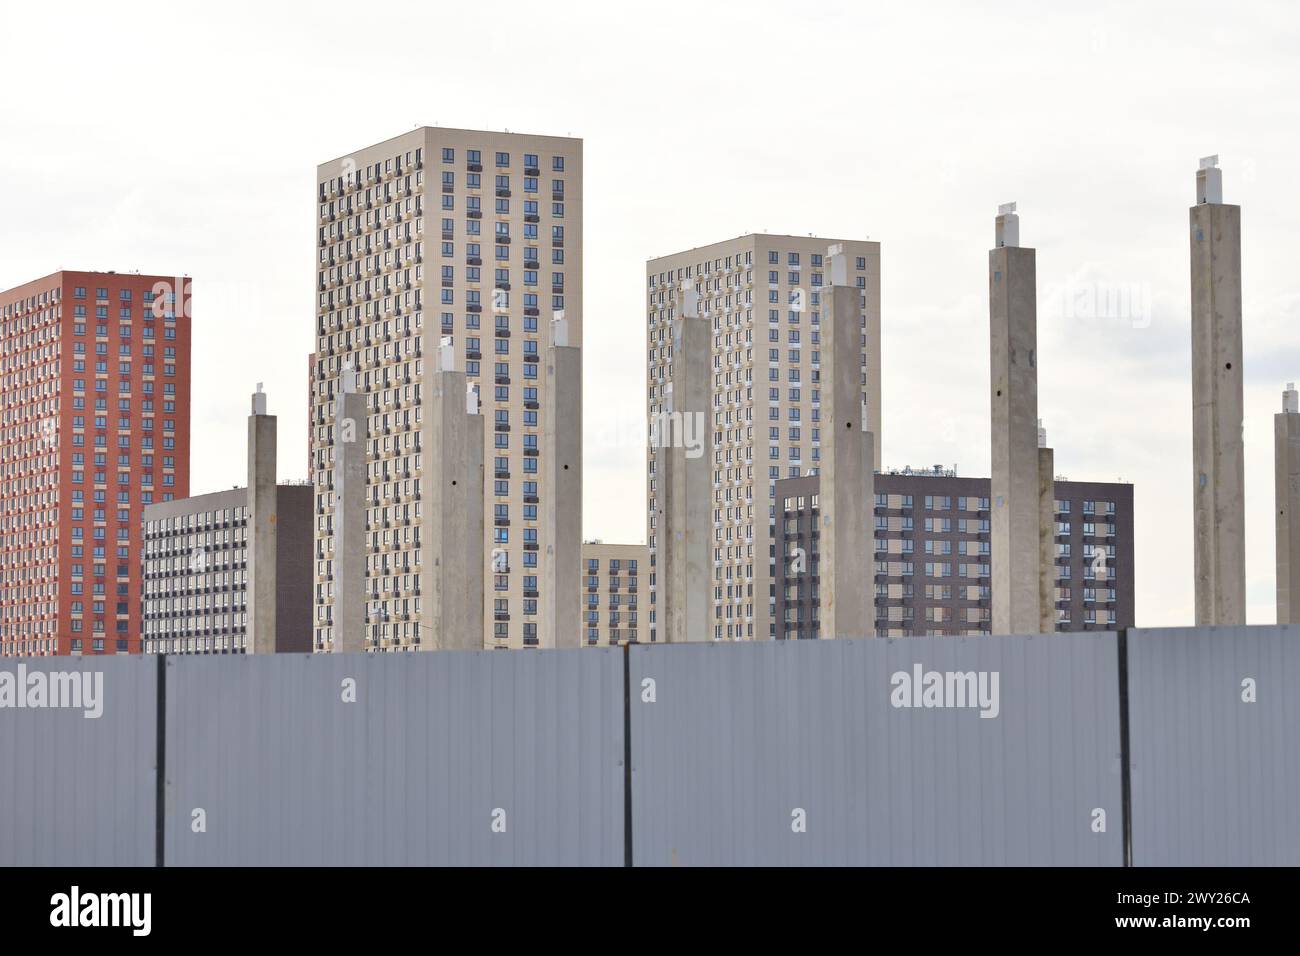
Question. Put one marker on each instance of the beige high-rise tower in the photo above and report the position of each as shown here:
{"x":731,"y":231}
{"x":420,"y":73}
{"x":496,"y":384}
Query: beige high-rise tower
{"x":762,"y":297}
{"x":472,"y":235}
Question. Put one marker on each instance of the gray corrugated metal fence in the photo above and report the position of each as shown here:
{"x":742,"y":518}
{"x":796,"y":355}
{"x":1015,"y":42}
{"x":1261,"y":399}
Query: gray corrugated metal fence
{"x":466,"y":758}
{"x":742,"y":743}
{"x":788,"y":752}
{"x":1215,"y":776}
{"x":78,"y":790}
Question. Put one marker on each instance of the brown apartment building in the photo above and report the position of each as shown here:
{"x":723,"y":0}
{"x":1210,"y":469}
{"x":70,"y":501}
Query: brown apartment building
{"x":932,"y":560}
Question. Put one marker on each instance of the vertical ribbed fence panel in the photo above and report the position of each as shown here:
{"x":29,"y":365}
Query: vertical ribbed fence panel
{"x":823,"y":753}
{"x":449,"y":758}
{"x":1214,"y":721}
{"x":78,"y":789}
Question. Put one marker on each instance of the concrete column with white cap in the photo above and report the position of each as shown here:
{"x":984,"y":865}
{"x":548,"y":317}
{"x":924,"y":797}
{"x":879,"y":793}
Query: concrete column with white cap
{"x":1286,"y":464}
{"x":561,"y":452}
{"x":452,"y":438}
{"x":846,"y":490}
{"x":262,"y":530}
{"x":684,"y":438}
{"x":348,"y":564}
{"x":1046,"y":533}
{"x":1218,"y":454}
{"x":1016,"y":494}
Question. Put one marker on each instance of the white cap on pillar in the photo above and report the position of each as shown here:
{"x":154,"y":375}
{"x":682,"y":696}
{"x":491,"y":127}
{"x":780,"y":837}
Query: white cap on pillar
{"x":1209,"y":181}
{"x":471,"y":398}
{"x":348,"y":378}
{"x":1042,"y":435}
{"x":1290,"y":398}
{"x":446,"y":355}
{"x":1006,"y":228}
{"x":559,"y":330}
{"x":688,"y":303}
{"x":259,"y":401}
{"x":839,"y":264}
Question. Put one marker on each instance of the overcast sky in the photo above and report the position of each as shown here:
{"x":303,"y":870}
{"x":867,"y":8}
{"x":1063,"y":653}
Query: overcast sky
{"x":179,"y":139}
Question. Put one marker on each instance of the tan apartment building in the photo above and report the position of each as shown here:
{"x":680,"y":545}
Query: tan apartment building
{"x":614,"y":593}
{"x":762,"y":297}
{"x":197,"y":577}
{"x":442,"y":233}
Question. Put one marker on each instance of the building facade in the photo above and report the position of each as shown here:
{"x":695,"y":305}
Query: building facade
{"x":762,"y":297}
{"x":613,"y":596}
{"x":442,"y":233}
{"x":311,"y":417}
{"x":196,"y":572}
{"x":95,"y":392}
{"x":932,"y":555}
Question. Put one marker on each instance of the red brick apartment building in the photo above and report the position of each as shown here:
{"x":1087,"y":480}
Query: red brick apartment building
{"x":94,"y":425}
